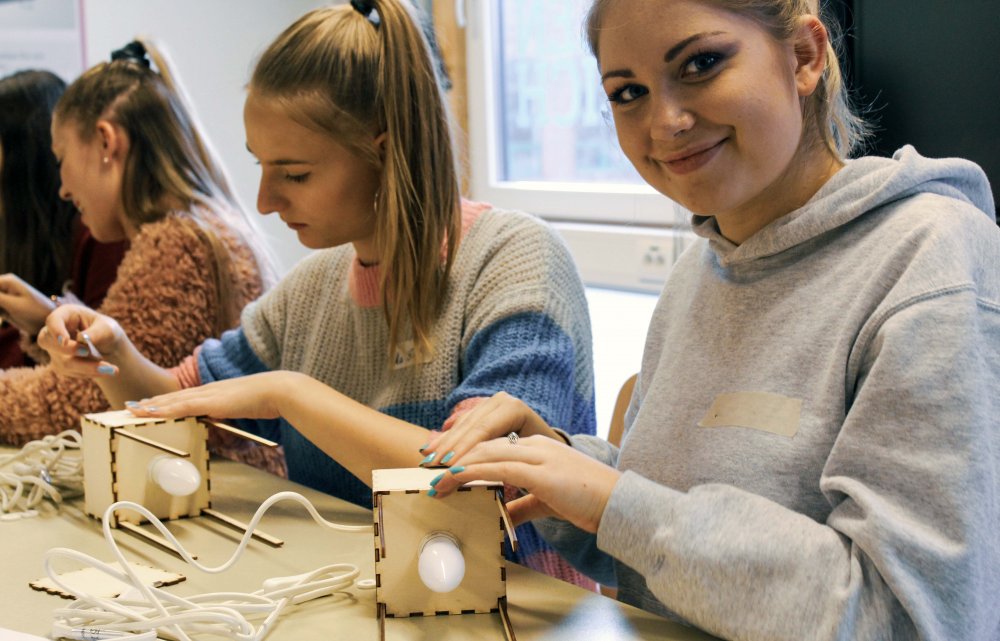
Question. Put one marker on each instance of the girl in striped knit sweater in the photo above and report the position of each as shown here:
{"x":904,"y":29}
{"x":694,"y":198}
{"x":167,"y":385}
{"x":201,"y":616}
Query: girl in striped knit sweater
{"x":418,"y":305}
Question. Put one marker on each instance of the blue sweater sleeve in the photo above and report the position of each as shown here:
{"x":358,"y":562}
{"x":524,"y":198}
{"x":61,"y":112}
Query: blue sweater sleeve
{"x":530,"y":357}
{"x":232,"y":357}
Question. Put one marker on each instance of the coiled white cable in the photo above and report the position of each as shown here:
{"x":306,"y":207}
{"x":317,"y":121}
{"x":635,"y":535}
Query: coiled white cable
{"x":143,"y":608}
{"x":39,"y":470}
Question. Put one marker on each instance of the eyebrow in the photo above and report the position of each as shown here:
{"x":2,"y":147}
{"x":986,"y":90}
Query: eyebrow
{"x":279,"y":163}
{"x":671,"y":54}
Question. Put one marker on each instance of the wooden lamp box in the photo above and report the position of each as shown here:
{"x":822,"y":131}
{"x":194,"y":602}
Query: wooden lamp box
{"x":404,"y":517}
{"x":118,"y":450}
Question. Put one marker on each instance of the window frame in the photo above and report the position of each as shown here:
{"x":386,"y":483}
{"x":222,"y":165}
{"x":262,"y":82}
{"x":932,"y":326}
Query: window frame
{"x":607,"y":203}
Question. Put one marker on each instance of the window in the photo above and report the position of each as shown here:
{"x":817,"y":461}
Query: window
{"x":541,"y":135}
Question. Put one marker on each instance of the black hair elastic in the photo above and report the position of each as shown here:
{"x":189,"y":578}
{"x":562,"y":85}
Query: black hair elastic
{"x":133,"y":52}
{"x":367,"y":9}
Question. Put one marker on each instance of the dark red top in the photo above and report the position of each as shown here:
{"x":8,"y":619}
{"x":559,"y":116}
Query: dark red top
{"x":94,"y":268}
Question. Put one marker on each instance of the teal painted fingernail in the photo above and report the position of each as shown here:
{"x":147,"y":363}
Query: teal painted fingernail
{"x":82,"y":351}
{"x":447,"y":457}
{"x":434,"y":481}
{"x":59,"y":339}
{"x":456,"y":469}
{"x":105,"y":369}
{"x":432,"y":492}
{"x":428,"y":458}
{"x":424,"y":447}
{"x":131,"y":404}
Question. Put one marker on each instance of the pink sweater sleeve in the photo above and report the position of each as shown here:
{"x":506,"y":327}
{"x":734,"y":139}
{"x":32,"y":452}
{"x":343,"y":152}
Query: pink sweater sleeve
{"x":187,"y":374}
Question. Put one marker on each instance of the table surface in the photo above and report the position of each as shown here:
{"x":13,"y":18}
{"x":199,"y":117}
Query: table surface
{"x":540,"y":607}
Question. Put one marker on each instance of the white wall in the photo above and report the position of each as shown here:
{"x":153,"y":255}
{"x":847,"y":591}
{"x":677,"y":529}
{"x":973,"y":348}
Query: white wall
{"x":213,"y":45}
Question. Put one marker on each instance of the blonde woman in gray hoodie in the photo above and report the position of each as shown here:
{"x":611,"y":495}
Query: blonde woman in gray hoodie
{"x":813,"y":446}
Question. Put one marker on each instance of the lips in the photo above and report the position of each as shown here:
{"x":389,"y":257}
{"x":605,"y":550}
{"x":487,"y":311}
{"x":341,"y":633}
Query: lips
{"x":693,"y":158}
{"x":291,"y":223}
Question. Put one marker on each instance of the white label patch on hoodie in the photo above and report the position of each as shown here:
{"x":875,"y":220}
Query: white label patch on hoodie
{"x":755,"y":410}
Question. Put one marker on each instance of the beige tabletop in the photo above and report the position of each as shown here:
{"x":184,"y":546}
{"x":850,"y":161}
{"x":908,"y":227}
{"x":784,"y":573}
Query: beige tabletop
{"x":540,"y":607}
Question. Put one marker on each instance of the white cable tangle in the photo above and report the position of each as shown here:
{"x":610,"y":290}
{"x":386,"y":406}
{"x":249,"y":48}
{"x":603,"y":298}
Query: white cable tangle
{"x":46,"y":468}
{"x":143,"y":609}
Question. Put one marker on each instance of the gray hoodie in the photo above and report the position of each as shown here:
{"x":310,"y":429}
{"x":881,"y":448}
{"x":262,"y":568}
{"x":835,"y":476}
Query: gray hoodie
{"x":813,"y":447}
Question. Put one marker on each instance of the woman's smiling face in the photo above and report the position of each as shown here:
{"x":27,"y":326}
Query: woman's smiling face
{"x":91,"y":179}
{"x":706,"y":104}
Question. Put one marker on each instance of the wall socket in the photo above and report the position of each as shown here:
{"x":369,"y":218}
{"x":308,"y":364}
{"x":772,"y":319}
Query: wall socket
{"x":619,"y":257}
{"x":654,"y":258}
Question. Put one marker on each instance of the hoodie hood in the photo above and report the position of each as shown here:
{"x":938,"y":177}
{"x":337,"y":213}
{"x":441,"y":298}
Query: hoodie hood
{"x":862,"y":185}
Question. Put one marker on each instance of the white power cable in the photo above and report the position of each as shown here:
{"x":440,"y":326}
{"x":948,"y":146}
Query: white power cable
{"x":38,"y":471}
{"x":143,"y":609}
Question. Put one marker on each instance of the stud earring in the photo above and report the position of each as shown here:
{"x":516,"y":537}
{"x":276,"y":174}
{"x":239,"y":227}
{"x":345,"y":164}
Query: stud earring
{"x":106,"y":160}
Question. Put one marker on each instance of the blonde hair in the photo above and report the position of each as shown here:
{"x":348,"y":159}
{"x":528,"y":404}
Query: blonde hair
{"x":353,"y":77}
{"x":168,"y":160}
{"x":829,"y":107}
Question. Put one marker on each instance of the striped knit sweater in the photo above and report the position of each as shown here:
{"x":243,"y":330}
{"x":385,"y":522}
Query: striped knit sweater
{"x":514,"y":319}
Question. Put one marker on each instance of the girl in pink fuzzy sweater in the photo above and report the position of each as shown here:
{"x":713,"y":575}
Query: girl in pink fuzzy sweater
{"x":134,"y":165}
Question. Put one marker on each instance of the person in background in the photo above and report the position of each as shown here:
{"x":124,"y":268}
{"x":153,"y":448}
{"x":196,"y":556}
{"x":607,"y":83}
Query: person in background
{"x":134,"y":165}
{"x":45,"y":251}
{"x":813,"y":446}
{"x":419,"y":306}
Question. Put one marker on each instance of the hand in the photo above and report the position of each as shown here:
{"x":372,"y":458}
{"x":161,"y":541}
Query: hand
{"x":497,"y":416}
{"x":70,"y":353}
{"x":560,"y":481}
{"x":255,"y":396}
{"x":23,"y":305}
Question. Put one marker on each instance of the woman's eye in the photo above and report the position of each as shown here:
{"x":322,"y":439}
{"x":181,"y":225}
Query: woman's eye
{"x":297,"y":178}
{"x":702,"y":63}
{"x":626,"y":94}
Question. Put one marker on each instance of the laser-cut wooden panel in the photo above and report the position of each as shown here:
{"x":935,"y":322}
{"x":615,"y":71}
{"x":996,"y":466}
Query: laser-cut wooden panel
{"x":404,"y":515}
{"x":116,"y":468}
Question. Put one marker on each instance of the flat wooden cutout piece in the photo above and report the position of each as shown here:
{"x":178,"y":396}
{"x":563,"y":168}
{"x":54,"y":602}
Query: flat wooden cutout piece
{"x":96,"y":583}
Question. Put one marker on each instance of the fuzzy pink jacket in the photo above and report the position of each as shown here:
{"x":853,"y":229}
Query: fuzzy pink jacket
{"x":164,"y":297}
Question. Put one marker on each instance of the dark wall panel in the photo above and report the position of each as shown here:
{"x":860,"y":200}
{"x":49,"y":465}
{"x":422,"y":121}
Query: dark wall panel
{"x":929,"y":71}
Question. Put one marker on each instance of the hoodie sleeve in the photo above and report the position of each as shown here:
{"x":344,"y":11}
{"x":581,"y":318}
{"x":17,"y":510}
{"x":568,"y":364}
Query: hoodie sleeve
{"x":578,"y":546}
{"x":910,"y":549}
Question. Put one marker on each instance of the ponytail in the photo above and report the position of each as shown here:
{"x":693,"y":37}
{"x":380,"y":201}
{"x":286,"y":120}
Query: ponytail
{"x":355,"y":72}
{"x":168,"y":159}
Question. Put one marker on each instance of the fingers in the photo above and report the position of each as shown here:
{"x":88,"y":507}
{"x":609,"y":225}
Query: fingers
{"x":63,"y":323}
{"x":74,"y":358}
{"x":528,"y":508}
{"x":189,"y":402}
{"x":497,"y":460}
{"x":494,"y":417}
{"x":10,"y":284}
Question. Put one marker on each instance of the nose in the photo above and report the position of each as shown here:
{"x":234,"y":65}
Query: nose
{"x":670,"y":118}
{"x":64,"y":193}
{"x":269,"y":199}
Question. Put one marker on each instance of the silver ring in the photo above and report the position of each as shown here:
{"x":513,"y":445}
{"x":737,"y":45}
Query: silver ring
{"x":513,"y":438}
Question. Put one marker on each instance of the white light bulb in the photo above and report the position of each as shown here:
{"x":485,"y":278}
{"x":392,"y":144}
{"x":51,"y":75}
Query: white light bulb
{"x":175,"y":475}
{"x":441,"y":565}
